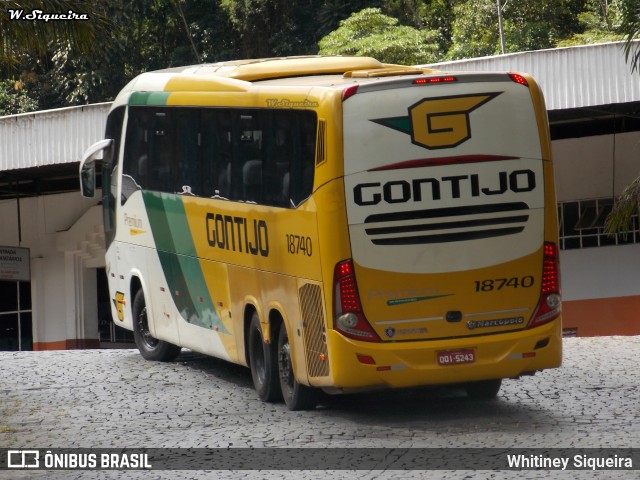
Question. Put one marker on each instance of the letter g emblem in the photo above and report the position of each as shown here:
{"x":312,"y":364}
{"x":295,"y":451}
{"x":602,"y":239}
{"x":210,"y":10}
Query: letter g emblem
{"x":443,"y":122}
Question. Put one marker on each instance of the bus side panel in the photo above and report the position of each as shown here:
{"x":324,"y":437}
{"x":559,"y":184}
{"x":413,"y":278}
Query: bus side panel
{"x":266,"y":293}
{"x":212,"y":330}
{"x":264,"y":250}
{"x":133,"y":256}
{"x":118,"y":291}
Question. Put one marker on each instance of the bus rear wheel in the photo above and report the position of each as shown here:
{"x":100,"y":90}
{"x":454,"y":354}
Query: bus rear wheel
{"x":150,"y":348}
{"x":262,"y":360}
{"x":484,"y":390}
{"x":296,"y":395}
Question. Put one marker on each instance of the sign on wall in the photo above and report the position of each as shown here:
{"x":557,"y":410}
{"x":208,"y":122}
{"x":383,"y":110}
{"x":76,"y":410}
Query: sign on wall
{"x":14,"y":264}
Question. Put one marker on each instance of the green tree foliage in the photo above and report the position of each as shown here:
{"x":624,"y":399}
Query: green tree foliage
{"x":627,"y":205}
{"x":474,"y":30}
{"x":265,"y":28}
{"x":144,"y":35}
{"x":14,"y":98}
{"x":600,"y":22}
{"x":630,"y":27}
{"x":528,"y":25}
{"x":19,"y":35}
{"x":76,"y":62}
{"x":436,"y":15}
{"x":257,"y":23}
{"x":536,"y":25}
{"x":371,"y":33}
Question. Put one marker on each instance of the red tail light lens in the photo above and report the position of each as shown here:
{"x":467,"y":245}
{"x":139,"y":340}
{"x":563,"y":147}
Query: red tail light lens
{"x":516,"y":77}
{"x":349,"y":92}
{"x":433,"y":80}
{"x":348,"y":316}
{"x":550,"y":270}
{"x":549,"y":306}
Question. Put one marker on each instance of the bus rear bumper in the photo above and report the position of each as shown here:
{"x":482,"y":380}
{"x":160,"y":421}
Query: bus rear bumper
{"x":362,"y":365}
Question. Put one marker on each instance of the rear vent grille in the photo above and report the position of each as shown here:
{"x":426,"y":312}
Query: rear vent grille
{"x":445,"y":225}
{"x":320,"y":147}
{"x":314,"y":332}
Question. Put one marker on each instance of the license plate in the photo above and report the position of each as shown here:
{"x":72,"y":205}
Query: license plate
{"x":456,"y":357}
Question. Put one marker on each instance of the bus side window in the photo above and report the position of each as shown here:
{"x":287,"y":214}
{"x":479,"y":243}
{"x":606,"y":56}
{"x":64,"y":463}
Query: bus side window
{"x":189,"y":166}
{"x":135,"y":168}
{"x":215,"y":128}
{"x":161,"y":154}
{"x":303,"y":161}
{"x":110,"y":171}
{"x":252,"y":180}
{"x":246,"y":165}
{"x":277,"y":159}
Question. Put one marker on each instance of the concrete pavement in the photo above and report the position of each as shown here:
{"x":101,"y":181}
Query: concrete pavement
{"x":115,"y":399}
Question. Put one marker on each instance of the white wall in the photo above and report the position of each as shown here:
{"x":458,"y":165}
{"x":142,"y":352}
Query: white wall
{"x":600,"y":272}
{"x":63,"y":274}
{"x":585,"y":167}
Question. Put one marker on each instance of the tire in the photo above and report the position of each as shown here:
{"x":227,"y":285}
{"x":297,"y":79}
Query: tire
{"x":296,"y":396}
{"x":484,"y":390}
{"x":150,"y":348}
{"x":262,"y":360}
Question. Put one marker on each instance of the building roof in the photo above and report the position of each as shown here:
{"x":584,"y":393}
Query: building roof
{"x":40,"y":151}
{"x":50,"y":137}
{"x":571,"y":77}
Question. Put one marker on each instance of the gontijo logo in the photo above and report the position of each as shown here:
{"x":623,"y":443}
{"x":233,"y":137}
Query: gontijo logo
{"x":440,"y":122}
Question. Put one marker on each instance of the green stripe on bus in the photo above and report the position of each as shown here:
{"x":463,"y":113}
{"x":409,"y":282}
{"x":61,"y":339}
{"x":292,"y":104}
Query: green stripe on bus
{"x":149,"y":98}
{"x":159,"y":222}
{"x":181,"y":267}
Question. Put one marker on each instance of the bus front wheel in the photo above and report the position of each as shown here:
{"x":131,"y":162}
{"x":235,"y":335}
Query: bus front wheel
{"x":262,"y":360}
{"x":296,"y":395}
{"x":150,"y":348}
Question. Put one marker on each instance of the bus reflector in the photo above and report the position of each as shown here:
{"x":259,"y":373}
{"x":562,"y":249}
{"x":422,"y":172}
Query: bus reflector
{"x":349,"y":92}
{"x":432,"y":80}
{"x":550,"y":302}
{"x":349,"y":318}
{"x":366,"y":359}
{"x":516,"y":77}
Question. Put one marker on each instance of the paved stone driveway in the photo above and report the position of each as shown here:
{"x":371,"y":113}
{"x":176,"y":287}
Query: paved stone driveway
{"x":114,"y":399}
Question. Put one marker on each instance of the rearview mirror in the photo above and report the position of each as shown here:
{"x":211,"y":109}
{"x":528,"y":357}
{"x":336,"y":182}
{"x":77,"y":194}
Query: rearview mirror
{"x":88,"y":180}
{"x":88,"y":167}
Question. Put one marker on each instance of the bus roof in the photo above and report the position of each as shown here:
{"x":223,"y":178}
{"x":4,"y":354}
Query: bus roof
{"x":239,"y":75}
{"x":254,"y":70}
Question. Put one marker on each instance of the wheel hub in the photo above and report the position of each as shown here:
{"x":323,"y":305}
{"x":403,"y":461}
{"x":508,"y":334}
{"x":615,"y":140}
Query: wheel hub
{"x":285,"y":365}
{"x":143,"y":328}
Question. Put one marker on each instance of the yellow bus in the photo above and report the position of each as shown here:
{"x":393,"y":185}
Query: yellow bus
{"x":334,"y":223}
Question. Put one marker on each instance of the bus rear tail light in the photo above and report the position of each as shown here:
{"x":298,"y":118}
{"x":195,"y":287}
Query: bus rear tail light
{"x":516,"y":77}
{"x":549,"y":306}
{"x":434,"y":80}
{"x":349,"y":319}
